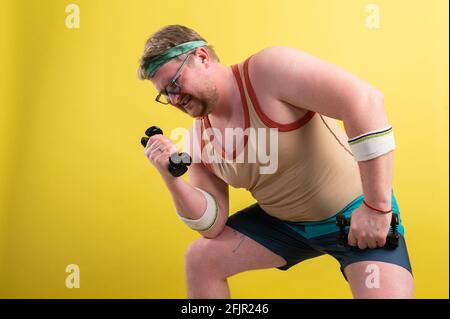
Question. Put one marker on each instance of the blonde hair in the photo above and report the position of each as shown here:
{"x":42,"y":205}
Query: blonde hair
{"x":166,"y":38}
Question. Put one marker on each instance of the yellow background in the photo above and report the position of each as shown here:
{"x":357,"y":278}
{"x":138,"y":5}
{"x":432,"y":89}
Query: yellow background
{"x":76,"y":188}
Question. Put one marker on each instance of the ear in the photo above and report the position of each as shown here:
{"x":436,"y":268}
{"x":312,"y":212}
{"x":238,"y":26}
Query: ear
{"x":203,"y":55}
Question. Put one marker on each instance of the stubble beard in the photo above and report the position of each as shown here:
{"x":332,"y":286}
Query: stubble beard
{"x":207,"y":101}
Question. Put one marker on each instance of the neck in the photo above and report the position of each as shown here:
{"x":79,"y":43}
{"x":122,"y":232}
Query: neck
{"x":229,"y":97}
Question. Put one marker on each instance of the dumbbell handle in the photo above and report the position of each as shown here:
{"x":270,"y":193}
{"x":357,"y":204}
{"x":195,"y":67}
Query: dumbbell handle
{"x":392,"y":239}
{"x":178,"y":162}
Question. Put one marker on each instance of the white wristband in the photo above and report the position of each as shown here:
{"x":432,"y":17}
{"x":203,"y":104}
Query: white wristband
{"x":372,"y":144}
{"x":209,"y":216}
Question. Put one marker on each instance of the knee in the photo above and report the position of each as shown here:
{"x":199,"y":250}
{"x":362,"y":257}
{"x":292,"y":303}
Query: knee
{"x":199,"y":257}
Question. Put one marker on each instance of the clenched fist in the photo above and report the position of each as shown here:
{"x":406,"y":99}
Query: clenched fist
{"x":158,"y":151}
{"x":368,"y":229}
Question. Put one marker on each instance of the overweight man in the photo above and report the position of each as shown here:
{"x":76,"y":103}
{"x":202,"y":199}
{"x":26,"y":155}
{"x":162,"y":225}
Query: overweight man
{"x":285,"y":102}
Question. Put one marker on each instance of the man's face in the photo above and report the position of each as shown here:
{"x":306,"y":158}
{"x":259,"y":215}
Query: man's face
{"x":193,"y":92}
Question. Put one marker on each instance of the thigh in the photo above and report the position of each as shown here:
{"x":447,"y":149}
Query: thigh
{"x":375,"y":279}
{"x":232,"y":252}
{"x":273,"y":234}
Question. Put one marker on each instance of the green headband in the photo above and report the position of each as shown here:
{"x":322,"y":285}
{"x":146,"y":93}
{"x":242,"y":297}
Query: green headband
{"x":158,"y":61}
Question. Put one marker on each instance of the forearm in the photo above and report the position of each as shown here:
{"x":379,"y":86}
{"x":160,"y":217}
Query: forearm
{"x":188,"y":201}
{"x":376,"y":174}
{"x":376,"y":178}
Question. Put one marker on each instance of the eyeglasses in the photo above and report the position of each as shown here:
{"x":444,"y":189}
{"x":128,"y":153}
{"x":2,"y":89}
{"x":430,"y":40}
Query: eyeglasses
{"x":173,"y":88}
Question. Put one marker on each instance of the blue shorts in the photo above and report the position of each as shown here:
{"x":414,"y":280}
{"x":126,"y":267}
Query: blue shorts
{"x":298,"y":241}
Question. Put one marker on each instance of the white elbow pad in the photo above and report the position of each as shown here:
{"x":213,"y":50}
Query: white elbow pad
{"x":372,"y":144}
{"x":209,"y":216}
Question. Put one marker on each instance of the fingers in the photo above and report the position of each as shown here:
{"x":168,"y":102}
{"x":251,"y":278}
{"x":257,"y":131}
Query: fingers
{"x":372,"y":243}
{"x":159,"y":148}
{"x":156,"y":141}
{"x":355,"y":238}
{"x":158,"y":155}
{"x":364,"y":241}
{"x":362,"y":244}
{"x":352,"y":239}
{"x":381,"y":242}
{"x":161,"y":140}
{"x":153,"y":143}
{"x":379,"y":239}
{"x":151,"y":140}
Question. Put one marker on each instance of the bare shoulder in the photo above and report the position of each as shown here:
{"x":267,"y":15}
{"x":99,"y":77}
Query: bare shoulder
{"x":279,"y":56}
{"x":267,"y":71}
{"x":275,"y":50}
{"x":307,"y":81}
{"x":269,"y":66}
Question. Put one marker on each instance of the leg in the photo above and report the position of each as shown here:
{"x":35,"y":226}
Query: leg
{"x":375,"y":279}
{"x":209,"y":262}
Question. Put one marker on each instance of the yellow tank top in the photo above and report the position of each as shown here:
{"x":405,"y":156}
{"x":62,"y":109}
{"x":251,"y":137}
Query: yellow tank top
{"x":316,"y":176}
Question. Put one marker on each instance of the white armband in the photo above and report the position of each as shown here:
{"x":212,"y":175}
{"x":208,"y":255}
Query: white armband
{"x":372,"y":144}
{"x":209,"y":216}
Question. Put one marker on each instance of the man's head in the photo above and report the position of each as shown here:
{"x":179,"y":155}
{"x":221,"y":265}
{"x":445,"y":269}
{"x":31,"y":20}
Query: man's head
{"x":178,"y":62}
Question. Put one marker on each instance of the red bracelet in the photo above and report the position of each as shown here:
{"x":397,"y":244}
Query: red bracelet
{"x":378,"y":210}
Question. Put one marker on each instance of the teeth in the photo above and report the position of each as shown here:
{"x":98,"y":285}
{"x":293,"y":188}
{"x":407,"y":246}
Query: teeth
{"x":186,"y":100}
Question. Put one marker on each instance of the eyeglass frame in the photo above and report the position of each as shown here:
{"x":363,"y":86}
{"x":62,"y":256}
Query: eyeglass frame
{"x":173,"y":81}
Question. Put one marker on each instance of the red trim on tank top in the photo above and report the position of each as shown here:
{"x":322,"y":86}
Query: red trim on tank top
{"x":268,"y":121}
{"x":237,"y":76}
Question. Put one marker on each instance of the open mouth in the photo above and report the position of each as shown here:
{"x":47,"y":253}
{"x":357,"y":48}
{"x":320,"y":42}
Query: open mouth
{"x":186,"y":102}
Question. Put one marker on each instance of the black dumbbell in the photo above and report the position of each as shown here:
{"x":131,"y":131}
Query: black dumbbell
{"x":392,"y":238}
{"x":178,"y":162}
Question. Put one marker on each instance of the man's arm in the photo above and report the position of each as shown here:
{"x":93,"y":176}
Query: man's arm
{"x":305,"y":81}
{"x":202,"y":203}
{"x":201,"y":177}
